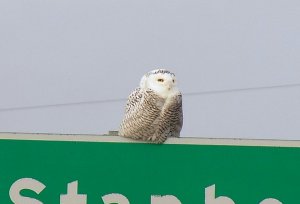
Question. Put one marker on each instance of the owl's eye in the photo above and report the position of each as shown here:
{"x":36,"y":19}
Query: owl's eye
{"x":173,"y":81}
{"x":160,"y":80}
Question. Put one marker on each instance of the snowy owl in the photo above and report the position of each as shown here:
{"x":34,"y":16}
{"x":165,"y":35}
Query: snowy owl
{"x":154,"y":109}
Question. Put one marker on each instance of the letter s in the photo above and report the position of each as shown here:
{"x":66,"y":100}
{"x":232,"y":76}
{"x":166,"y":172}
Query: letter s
{"x":25,"y":183}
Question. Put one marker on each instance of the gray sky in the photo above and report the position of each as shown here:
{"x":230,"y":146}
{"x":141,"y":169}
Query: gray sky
{"x":66,"y":51}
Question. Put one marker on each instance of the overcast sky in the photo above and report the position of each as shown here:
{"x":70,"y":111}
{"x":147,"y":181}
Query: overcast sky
{"x":69,"y":51}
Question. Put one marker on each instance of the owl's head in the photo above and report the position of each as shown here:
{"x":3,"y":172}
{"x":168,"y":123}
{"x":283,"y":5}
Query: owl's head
{"x":161,"y":81}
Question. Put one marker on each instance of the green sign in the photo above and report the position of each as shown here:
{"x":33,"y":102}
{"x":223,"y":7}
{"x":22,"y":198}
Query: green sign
{"x":103,"y":171}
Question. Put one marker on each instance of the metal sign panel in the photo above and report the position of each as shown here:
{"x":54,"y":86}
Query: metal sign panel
{"x":62,"y":169}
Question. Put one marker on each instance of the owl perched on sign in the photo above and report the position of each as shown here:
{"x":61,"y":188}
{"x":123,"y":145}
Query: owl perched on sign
{"x":154,"y":109}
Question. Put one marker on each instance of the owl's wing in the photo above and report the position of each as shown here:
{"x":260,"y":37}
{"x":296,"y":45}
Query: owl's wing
{"x":177,"y":115}
{"x":142,"y":110}
{"x":133,"y":101}
{"x":171,"y":119}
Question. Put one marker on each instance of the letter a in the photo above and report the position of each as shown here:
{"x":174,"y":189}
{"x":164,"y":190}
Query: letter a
{"x":115,"y":198}
{"x":270,"y":201}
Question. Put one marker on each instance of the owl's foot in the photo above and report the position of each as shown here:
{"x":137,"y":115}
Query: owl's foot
{"x":157,"y":139}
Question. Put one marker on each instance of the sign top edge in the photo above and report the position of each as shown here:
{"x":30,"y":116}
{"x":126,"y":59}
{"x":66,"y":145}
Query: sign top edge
{"x":118,"y":139}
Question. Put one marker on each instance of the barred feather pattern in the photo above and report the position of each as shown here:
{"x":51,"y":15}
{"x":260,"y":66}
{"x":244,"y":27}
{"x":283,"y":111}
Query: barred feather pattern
{"x":152,"y":118}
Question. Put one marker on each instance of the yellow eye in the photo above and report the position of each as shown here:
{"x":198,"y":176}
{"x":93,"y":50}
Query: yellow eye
{"x":160,"y":80}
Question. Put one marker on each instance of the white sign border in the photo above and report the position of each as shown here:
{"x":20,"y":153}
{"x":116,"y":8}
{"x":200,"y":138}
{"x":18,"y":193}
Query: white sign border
{"x":118,"y":139}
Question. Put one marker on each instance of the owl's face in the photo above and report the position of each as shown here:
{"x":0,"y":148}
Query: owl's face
{"x":161,"y":81}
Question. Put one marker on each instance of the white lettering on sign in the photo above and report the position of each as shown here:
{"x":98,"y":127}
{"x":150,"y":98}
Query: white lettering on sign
{"x":210,"y":197}
{"x":166,"y":199}
{"x":72,"y":196}
{"x":22,"y":184}
{"x":270,"y":201}
{"x":115,"y":198}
